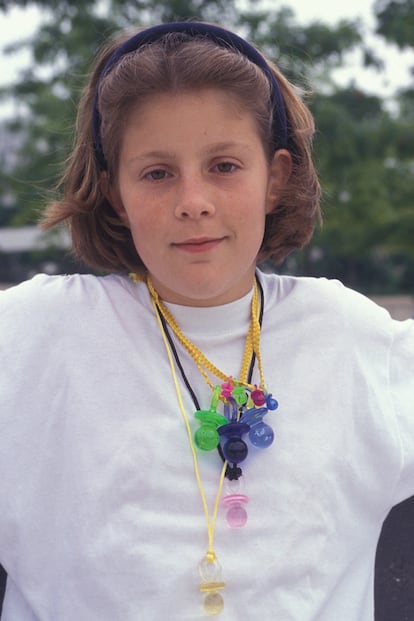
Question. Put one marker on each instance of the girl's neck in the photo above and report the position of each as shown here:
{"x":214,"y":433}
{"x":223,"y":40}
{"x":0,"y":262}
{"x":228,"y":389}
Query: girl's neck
{"x":205,"y":295}
{"x":230,"y":318}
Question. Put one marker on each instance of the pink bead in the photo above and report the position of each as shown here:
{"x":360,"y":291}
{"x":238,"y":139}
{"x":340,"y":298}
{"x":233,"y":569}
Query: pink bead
{"x":226,"y":389}
{"x":236,"y":515}
{"x":258,"y":397}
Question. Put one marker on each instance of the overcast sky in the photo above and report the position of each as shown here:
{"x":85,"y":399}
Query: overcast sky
{"x":18,"y":23}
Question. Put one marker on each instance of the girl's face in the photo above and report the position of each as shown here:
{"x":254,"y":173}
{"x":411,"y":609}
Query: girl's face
{"x":194,"y":187}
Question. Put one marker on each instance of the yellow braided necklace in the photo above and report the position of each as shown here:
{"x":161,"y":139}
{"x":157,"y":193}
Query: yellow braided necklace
{"x":252,"y":344}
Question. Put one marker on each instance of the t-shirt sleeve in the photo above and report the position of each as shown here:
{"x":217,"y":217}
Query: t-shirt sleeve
{"x":402,"y":393}
{"x":386,"y":348}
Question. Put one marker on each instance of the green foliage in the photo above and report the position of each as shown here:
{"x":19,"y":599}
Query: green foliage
{"x":162,"y":11}
{"x":366,"y":163}
{"x":395,"y":20}
{"x":302,"y":52}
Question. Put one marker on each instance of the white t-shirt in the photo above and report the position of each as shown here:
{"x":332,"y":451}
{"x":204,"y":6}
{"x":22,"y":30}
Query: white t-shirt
{"x":100,"y":514}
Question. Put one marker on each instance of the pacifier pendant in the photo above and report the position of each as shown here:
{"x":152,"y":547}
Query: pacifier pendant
{"x":206,"y":437}
{"x":227,"y":388}
{"x":234,"y":501}
{"x":210,"y":572}
{"x":236,"y":515}
{"x":258,"y":397}
{"x":239,"y":395}
{"x":271,"y":403}
{"x":234,"y":448}
{"x":261,"y":435}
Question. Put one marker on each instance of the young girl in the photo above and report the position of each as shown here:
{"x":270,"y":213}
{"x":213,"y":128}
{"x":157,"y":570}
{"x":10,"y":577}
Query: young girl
{"x":198,"y":437}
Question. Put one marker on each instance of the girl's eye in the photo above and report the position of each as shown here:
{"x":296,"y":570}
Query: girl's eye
{"x":156,"y":175}
{"x":226,"y":167}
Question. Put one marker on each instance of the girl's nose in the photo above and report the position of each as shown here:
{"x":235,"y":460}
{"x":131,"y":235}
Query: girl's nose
{"x":194,"y":200}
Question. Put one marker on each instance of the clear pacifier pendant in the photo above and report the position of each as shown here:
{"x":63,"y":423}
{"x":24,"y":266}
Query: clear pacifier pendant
{"x":211,"y":585}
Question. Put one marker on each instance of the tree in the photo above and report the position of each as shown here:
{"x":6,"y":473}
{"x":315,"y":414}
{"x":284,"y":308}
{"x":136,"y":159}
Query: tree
{"x":365,"y":162}
{"x":395,"y":21}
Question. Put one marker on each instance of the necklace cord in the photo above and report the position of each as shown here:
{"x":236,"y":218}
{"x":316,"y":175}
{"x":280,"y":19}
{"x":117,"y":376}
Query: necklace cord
{"x":253,"y":359}
{"x":177,"y":360}
{"x":252,"y":345}
{"x":179,"y":363}
{"x":210,"y":521}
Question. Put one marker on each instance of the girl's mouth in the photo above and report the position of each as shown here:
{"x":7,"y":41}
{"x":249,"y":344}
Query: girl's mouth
{"x":201,"y":244}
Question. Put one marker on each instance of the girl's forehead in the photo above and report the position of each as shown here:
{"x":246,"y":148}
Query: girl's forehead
{"x":189,"y":107}
{"x":191,"y":121}
{"x":174,"y":99}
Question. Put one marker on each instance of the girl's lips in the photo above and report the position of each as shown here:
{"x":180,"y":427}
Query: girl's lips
{"x":199,"y":245}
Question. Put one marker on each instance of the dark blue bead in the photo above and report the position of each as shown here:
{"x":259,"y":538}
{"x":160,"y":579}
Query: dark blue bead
{"x":235,"y":450}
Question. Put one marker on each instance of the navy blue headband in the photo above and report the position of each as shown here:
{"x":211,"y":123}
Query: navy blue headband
{"x":221,"y":37}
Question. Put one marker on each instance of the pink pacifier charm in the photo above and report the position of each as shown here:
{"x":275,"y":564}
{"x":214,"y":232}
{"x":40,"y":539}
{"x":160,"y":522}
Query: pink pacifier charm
{"x":227,"y":388}
{"x":234,"y":501}
{"x":258,"y":397}
{"x":236,"y":513}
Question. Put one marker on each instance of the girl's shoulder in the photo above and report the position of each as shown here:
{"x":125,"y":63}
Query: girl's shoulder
{"x":60,"y":290}
{"x":321,"y":301}
{"x":318,"y":292}
{"x":58,"y":302}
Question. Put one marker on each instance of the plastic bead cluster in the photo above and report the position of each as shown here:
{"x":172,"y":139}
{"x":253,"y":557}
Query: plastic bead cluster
{"x":242,"y":420}
{"x":244,"y":410}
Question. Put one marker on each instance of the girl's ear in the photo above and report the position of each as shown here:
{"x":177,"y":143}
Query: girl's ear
{"x":113,"y":196}
{"x":279,"y":173}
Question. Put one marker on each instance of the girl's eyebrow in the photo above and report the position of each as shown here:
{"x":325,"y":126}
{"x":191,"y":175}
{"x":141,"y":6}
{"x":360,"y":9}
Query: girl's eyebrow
{"x":225,"y":146}
{"x":210,"y":150}
{"x":152,"y":155}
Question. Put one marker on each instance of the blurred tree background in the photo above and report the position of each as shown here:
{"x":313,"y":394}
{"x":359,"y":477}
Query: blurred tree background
{"x":364,"y":148}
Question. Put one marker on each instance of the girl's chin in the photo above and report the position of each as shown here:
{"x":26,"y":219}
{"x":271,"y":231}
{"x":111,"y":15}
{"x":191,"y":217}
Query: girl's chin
{"x":199,"y":291}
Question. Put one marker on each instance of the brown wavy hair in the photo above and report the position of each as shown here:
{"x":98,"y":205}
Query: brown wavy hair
{"x":178,"y":63}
